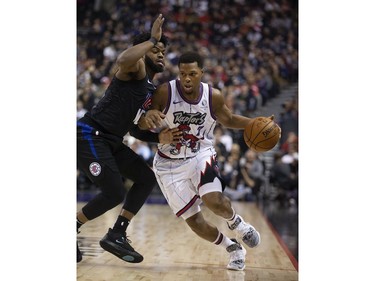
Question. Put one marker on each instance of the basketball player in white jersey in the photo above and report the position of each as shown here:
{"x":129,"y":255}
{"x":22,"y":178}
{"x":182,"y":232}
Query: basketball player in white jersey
{"x":187,"y":172}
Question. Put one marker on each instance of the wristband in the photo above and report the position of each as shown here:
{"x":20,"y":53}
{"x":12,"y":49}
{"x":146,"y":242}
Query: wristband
{"x":153,"y":40}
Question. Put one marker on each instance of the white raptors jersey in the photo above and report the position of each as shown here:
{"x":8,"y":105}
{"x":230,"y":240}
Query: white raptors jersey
{"x":194,"y":118}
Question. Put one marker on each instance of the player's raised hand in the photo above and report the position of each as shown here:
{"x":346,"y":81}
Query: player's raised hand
{"x":156,"y":30}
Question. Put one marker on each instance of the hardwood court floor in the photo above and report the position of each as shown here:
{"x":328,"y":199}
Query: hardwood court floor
{"x":172,"y":252}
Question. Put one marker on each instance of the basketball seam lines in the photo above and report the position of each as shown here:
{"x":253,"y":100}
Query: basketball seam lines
{"x":266,"y":140}
{"x":260,"y":131}
{"x":251,"y":132}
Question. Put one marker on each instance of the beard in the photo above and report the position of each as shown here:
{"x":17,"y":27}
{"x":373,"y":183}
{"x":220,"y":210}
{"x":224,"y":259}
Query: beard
{"x":153,"y":67}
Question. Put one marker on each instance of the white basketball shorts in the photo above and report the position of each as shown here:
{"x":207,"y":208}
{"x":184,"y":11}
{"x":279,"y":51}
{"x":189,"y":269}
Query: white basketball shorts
{"x":184,"y":182}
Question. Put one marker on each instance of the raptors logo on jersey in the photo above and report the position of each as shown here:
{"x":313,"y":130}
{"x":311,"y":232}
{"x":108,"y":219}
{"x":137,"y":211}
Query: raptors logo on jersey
{"x":194,"y":118}
{"x":189,"y":140}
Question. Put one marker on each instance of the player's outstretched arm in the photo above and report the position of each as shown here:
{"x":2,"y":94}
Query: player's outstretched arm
{"x":224,"y":115}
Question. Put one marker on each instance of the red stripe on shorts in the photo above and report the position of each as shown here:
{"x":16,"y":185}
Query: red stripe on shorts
{"x":184,"y":209}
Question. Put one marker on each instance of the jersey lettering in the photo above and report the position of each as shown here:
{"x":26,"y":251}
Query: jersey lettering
{"x":196,"y":118}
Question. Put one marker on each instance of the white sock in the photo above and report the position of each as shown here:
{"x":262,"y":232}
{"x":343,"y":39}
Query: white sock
{"x":223,"y":241}
{"x":233,"y":218}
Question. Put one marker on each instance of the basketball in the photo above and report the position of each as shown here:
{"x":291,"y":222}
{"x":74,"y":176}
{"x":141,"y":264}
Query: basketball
{"x":261,"y":134}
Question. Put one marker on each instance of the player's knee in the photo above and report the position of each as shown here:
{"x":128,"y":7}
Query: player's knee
{"x":148,"y":179}
{"x":102,"y":202}
{"x":142,"y":174}
{"x":213,"y":200}
{"x":217,"y":202}
{"x":115,"y":197}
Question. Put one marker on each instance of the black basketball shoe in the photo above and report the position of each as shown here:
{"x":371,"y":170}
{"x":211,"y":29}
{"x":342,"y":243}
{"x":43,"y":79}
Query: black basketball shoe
{"x":79,"y":254}
{"x":118,"y":245}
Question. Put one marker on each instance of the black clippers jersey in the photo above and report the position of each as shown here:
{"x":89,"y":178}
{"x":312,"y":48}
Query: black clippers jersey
{"x":117,"y":110}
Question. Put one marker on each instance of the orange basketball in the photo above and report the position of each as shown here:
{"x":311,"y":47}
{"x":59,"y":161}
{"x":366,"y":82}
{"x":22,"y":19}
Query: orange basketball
{"x":261,"y":134}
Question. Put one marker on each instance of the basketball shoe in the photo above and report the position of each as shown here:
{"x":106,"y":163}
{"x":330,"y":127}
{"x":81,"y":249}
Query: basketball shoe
{"x":118,"y":245}
{"x":246,"y":231}
{"x":79,"y":254}
{"x":237,"y":255}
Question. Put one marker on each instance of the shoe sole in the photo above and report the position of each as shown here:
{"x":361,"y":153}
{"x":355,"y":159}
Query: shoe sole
{"x":236,"y":269}
{"x":121,"y":253}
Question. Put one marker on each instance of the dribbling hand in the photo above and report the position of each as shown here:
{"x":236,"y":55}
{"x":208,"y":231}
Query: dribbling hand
{"x":272,"y":117}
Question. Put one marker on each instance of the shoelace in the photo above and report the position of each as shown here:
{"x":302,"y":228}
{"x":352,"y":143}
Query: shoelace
{"x":125,"y":238}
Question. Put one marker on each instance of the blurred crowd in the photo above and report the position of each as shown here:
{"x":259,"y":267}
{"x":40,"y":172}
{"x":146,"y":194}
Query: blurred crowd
{"x":251,"y":53}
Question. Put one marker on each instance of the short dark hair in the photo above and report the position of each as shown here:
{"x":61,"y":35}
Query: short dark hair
{"x":190,"y":57}
{"x":143,"y":37}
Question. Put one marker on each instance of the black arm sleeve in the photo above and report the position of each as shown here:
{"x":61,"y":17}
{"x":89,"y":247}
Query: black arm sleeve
{"x":144,"y":135}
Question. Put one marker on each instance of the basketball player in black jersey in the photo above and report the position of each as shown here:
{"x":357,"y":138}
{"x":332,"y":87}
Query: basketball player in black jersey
{"x":101,"y":153}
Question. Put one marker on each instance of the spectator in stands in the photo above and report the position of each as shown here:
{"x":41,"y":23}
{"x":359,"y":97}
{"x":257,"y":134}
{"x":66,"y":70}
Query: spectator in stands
{"x":223,"y":139}
{"x":235,"y":188}
{"x":231,"y":166}
{"x":252,"y":172}
{"x":284,"y":179}
{"x":289,"y":119}
{"x":291,"y":140}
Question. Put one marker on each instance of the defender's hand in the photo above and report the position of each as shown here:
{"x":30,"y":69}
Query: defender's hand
{"x":169,"y":136}
{"x":153,"y":118}
{"x":156,"y":30}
